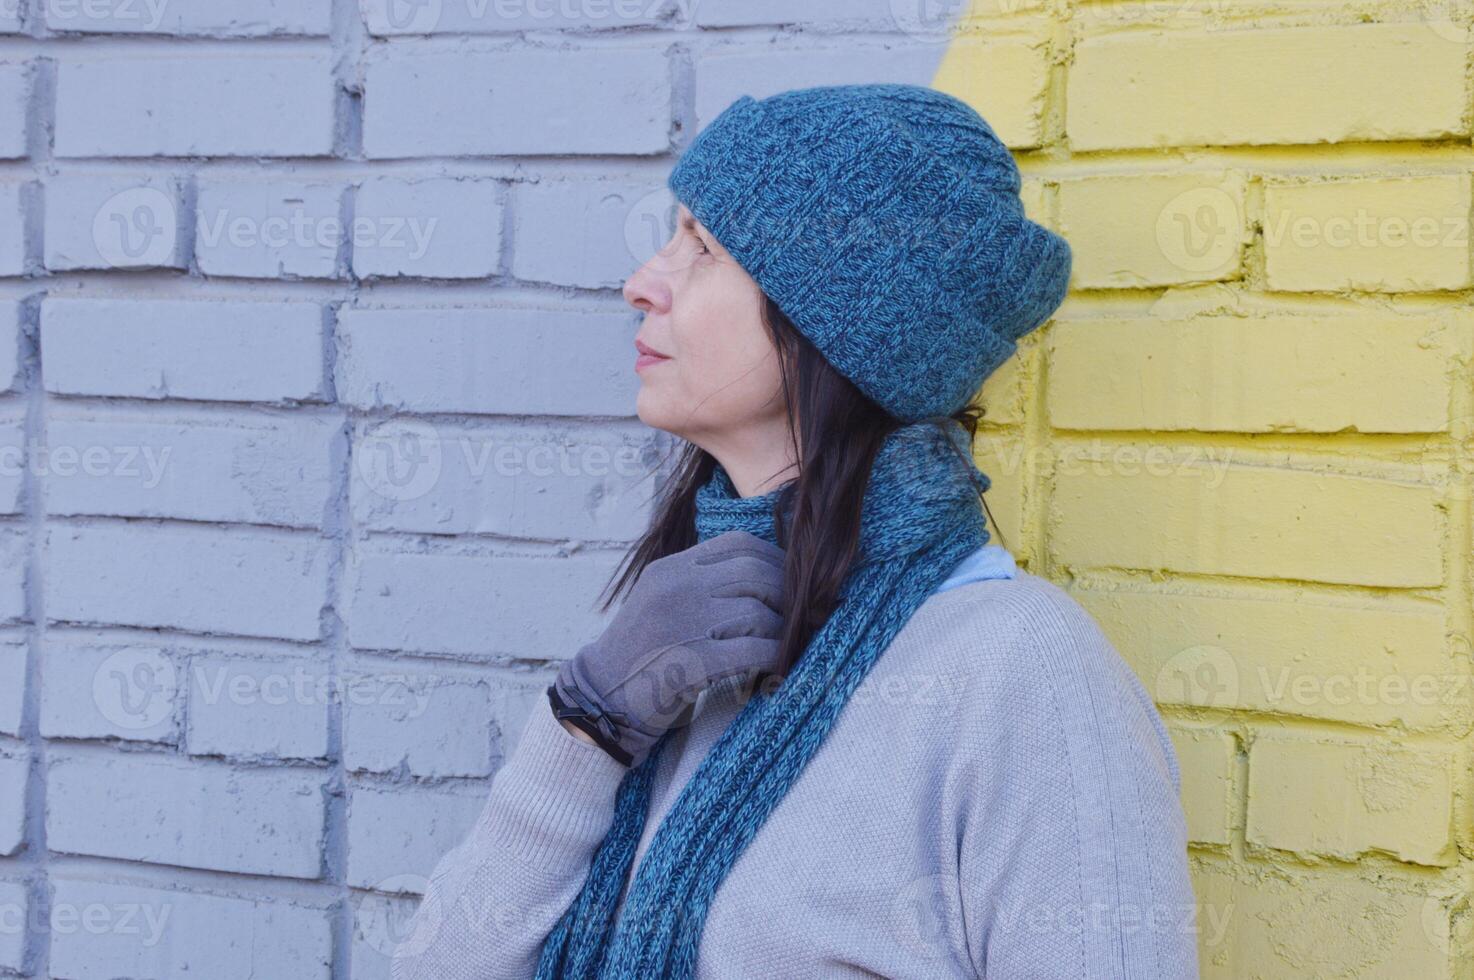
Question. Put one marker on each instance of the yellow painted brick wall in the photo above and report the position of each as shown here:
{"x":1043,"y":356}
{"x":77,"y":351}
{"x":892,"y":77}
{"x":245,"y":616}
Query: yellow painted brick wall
{"x":1246,"y":441}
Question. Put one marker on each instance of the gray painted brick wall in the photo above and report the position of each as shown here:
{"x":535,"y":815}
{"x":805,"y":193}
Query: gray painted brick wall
{"x":317,"y":431}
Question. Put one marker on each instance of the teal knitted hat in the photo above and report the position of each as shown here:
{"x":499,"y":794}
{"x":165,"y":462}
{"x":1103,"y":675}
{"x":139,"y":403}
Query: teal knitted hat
{"x":885,"y":221}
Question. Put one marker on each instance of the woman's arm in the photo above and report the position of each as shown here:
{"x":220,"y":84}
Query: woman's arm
{"x":492,"y":900}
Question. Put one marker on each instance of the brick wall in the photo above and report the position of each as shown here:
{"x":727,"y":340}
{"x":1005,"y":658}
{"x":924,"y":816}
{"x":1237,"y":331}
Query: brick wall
{"x":1246,"y":445}
{"x":318,"y":423}
{"x":317,"y":414}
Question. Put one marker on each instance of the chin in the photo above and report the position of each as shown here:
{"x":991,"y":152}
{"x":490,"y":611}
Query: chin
{"x":651,"y":409}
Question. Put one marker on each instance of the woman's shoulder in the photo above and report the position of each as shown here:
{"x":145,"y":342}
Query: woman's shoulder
{"x":1016,"y":615}
{"x":1025,"y":647}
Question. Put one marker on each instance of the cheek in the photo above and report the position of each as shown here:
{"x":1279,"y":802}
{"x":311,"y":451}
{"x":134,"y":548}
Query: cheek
{"x":726,"y":356}
{"x":738,"y":373}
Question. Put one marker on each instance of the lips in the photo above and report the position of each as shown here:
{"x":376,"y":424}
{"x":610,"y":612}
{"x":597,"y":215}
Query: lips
{"x":648,"y":356}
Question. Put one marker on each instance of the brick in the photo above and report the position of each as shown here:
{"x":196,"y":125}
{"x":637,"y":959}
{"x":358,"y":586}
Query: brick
{"x":385,"y":18}
{"x":12,"y":229}
{"x":12,"y":687}
{"x":14,"y":771}
{"x":393,"y":833}
{"x":201,"y":466}
{"x":13,"y":548}
{"x":269,"y":229}
{"x":217,"y":351}
{"x":514,"y":696}
{"x":532,"y":480}
{"x":220,"y":818}
{"x":103,"y":929}
{"x":416,"y":721}
{"x":14,"y":96}
{"x":1001,"y":456}
{"x":266,"y":708}
{"x":875,"y":14}
{"x":724,"y":74}
{"x":1148,"y":230}
{"x":1381,"y":235}
{"x":1326,"y":83}
{"x":15,"y":912}
{"x":1178,"y":509}
{"x":488,"y":361}
{"x":127,"y":692}
{"x":596,"y":100}
{"x":444,"y":228}
{"x":262,"y":105}
{"x":11,"y":324}
{"x":479,"y":606}
{"x":221,"y":18}
{"x":1328,"y":923}
{"x":112,"y":221}
{"x":1205,"y":759}
{"x":12,"y":458}
{"x":204,"y":579}
{"x":1343,"y":798}
{"x":1004,"y":396}
{"x":1380,"y":662}
{"x":592,"y":234}
{"x":1006,"y":80}
{"x":1367,"y":372}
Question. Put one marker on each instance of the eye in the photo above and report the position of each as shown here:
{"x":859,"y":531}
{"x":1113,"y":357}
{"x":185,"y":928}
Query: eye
{"x":700,"y":245}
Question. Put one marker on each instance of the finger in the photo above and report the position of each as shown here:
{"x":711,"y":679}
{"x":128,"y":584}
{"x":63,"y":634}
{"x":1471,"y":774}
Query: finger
{"x":743,"y":568}
{"x":742,"y":653}
{"x":766,"y":590}
{"x":761,"y":623}
{"x":734,"y":544}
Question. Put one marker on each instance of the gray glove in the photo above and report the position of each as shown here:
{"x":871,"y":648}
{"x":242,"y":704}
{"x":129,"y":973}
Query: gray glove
{"x":691,"y":619}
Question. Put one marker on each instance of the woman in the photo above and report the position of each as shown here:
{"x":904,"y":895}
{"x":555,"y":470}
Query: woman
{"x":832,"y":730}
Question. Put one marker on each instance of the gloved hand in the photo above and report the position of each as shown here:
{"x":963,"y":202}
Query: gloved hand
{"x":691,"y":619}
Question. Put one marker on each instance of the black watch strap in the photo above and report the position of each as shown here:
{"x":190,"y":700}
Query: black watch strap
{"x":580,"y":717}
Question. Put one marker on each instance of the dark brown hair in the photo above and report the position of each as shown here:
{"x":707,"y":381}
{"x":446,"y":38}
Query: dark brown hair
{"x":838,"y":430}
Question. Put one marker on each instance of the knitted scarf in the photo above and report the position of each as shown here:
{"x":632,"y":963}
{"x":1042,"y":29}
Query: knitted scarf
{"x":920,"y":516}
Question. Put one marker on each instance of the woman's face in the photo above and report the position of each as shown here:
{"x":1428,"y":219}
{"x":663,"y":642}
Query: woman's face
{"x":718,"y":382}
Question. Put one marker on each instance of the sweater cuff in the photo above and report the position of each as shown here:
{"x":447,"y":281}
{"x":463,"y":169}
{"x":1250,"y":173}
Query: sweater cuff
{"x":553,"y":799}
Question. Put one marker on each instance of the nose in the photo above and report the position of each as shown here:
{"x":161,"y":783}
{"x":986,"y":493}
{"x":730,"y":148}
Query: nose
{"x":648,"y":290}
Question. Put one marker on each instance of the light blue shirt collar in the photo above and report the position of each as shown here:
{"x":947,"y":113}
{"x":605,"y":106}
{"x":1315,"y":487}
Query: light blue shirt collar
{"x":989,"y":561}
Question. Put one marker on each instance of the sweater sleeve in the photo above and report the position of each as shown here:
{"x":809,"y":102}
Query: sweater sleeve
{"x":492,"y":900}
{"x":1072,"y":857}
